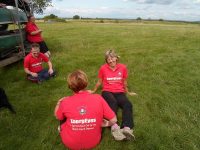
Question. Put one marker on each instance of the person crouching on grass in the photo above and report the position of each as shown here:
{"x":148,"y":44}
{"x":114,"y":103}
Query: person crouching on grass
{"x":113,"y":78}
{"x":84,"y":114}
{"x":33,"y":65}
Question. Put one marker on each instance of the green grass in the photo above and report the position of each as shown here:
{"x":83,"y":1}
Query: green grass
{"x":163,"y":62}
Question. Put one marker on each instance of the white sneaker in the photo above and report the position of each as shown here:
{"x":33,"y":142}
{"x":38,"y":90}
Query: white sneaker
{"x":128,"y":133}
{"x":117,"y":134}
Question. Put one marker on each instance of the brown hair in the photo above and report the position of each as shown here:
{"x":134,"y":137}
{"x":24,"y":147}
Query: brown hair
{"x":77,"y":80}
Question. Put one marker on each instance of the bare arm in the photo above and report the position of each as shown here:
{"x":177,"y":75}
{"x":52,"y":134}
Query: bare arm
{"x":99,"y":82}
{"x":112,"y":121}
{"x":108,"y":123}
{"x":31,"y":73}
{"x":36,"y":32}
{"x":57,"y":106}
{"x":56,"y":109}
{"x":50,"y":67}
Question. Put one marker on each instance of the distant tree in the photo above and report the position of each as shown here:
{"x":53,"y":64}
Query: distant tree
{"x":101,"y":21}
{"x":76,"y":17}
{"x":39,"y":6}
{"x":60,"y":20}
{"x":138,"y":18}
{"x":116,"y":21}
{"x":51,"y":16}
{"x":160,"y":20}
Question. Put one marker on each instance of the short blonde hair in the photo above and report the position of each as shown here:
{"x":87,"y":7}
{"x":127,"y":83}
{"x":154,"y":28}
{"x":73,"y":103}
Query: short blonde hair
{"x":111,"y":53}
{"x":77,"y":80}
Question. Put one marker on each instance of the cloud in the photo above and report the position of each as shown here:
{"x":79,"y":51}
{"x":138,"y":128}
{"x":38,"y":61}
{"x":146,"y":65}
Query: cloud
{"x":187,"y":10}
{"x":196,"y":1}
{"x":83,"y":12}
{"x":162,"y":2}
{"x":144,"y":12}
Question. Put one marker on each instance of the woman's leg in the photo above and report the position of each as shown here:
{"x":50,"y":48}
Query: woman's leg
{"x":127,"y":115}
{"x":110,"y":99}
{"x":127,"y":110}
{"x":112,"y":102}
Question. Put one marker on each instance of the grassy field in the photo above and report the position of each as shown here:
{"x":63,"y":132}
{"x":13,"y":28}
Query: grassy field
{"x":164,"y":69}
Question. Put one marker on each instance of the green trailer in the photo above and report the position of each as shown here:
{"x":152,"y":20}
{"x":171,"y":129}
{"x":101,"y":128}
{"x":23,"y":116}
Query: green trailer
{"x":10,"y":16}
{"x":13,"y":42}
{"x":10,"y":42}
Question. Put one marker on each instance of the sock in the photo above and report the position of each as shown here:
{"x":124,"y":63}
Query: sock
{"x":127,"y":128}
{"x":115,"y":126}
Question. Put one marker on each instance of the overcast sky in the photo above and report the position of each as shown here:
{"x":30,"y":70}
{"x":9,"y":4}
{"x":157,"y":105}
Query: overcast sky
{"x":186,"y":10}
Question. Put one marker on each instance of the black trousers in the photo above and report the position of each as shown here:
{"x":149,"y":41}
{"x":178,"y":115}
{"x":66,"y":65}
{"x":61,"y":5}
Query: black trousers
{"x":116,"y":100}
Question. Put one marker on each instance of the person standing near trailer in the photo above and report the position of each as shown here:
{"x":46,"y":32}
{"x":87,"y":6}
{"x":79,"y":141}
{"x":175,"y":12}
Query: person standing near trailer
{"x":34,"y":35}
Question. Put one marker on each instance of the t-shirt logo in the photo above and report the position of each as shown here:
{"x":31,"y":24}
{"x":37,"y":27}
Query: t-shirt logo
{"x":119,"y":73}
{"x":37,"y":64}
{"x":82,"y":110}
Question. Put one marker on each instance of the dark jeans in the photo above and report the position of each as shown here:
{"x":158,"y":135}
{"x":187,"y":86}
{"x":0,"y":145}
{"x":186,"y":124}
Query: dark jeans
{"x":42,"y":75}
{"x":116,"y":100}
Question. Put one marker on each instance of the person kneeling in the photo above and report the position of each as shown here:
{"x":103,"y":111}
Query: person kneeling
{"x":84,"y":114}
{"x":33,"y":65}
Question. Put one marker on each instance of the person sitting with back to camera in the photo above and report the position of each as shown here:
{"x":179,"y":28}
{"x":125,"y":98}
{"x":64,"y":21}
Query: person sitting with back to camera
{"x":34,"y":35}
{"x":113,"y":78}
{"x":33,"y":65}
{"x":84,"y":114}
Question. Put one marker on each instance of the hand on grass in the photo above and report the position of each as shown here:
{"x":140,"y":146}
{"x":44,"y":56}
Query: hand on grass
{"x":50,"y":71}
{"x":34,"y":74}
{"x":131,"y":93}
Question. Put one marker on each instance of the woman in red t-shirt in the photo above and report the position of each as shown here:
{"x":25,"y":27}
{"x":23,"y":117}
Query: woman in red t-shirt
{"x":34,"y":35}
{"x":113,"y":78}
{"x":84,"y":114}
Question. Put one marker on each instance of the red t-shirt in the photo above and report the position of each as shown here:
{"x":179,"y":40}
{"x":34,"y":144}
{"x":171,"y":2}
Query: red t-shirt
{"x":84,"y":113}
{"x":35,"y":64}
{"x":113,"y":80}
{"x":31,"y":27}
